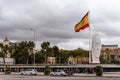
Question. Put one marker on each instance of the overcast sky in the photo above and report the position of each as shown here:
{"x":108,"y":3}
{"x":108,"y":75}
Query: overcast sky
{"x":54,"y":20}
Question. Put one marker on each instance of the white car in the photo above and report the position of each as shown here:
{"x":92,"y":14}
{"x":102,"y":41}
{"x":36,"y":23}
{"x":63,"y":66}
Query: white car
{"x":58,"y":73}
{"x":29,"y":72}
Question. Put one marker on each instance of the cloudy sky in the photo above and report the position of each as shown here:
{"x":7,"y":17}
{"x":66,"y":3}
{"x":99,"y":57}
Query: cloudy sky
{"x":54,"y":20}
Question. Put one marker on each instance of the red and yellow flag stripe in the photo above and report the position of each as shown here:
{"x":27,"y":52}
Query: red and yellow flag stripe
{"x":84,"y":23}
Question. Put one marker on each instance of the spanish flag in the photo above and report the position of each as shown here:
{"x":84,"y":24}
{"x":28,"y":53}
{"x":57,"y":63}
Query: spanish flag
{"x":84,"y":23}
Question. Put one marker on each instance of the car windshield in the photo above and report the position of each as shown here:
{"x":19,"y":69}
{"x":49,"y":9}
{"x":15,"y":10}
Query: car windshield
{"x":28,"y":70}
{"x":59,"y":70}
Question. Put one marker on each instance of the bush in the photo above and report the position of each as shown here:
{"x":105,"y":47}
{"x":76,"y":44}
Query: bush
{"x":7,"y":69}
{"x":98,"y":70}
{"x":47,"y":70}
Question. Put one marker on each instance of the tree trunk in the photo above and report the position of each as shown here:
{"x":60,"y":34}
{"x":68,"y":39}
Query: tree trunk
{"x":4,"y":60}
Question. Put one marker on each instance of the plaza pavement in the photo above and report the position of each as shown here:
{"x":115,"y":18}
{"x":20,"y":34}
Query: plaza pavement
{"x":105,"y":74}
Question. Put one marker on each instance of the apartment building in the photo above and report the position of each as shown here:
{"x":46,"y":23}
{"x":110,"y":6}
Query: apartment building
{"x":111,"y":51}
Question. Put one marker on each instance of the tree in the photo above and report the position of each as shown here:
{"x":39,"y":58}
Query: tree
{"x":56,"y":53}
{"x":7,"y":69}
{"x":106,"y":55}
{"x":25,"y":46}
{"x":47,"y":70}
{"x":64,"y":54}
{"x":25,"y":55}
{"x":98,"y":70}
{"x":40,"y":57}
{"x":45,"y":49}
{"x":12,"y":50}
{"x":107,"y":51}
{"x":78,"y":53}
{"x":22,"y":51}
{"x":102,"y":58}
{"x":3,"y":51}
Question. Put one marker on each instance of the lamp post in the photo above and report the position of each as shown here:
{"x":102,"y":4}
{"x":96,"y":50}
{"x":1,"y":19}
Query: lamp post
{"x":33,"y":29}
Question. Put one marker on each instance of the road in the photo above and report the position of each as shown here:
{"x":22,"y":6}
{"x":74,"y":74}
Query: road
{"x":38,"y":77}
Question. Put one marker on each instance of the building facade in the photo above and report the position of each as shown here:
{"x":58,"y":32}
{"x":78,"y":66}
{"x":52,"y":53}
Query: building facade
{"x":51,"y":60}
{"x":110,"y":47}
{"x":111,"y":52}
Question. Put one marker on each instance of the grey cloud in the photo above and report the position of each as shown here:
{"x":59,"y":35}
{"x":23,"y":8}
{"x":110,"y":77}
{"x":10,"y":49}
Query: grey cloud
{"x":54,"y":20}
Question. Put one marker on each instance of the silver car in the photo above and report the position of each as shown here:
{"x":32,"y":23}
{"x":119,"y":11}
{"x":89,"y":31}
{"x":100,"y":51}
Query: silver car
{"x":58,"y":73}
{"x":29,"y":72}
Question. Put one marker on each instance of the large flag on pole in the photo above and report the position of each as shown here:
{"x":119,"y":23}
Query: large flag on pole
{"x":84,"y":23}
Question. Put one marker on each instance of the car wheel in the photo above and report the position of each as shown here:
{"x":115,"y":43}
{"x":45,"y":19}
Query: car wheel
{"x":62,"y":75}
{"x":31,"y":74}
{"x":51,"y":74}
{"x":21,"y":73}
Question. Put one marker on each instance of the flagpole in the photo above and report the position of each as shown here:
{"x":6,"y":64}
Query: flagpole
{"x":90,"y":55}
{"x":90,"y":45}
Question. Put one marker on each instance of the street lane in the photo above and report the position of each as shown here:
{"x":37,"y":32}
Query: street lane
{"x":38,"y":77}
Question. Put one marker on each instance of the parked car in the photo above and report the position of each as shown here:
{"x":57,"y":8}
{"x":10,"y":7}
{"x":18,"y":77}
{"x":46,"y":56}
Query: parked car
{"x":58,"y":73}
{"x":29,"y":72}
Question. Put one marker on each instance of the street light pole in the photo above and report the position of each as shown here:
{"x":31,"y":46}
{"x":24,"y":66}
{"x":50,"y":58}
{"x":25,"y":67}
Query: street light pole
{"x":33,"y":29}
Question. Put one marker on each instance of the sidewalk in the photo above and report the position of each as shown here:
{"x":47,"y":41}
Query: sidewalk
{"x":18,"y":73}
{"x":112,"y":74}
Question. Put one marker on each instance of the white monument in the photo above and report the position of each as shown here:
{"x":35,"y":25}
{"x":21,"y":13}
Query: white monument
{"x":96,"y":48}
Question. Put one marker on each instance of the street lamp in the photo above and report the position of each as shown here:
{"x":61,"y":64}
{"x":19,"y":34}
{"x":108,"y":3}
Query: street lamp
{"x":33,"y":29}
